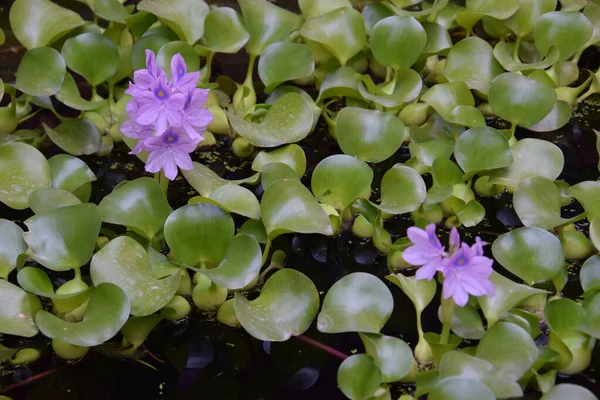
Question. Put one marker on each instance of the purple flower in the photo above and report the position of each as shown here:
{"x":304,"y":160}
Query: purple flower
{"x":170,"y":151}
{"x":195,"y":118}
{"x":144,"y":78}
{"x":160,"y":106}
{"x":465,"y":273}
{"x":426,"y":251}
{"x":180,"y":79}
{"x":454,"y":240}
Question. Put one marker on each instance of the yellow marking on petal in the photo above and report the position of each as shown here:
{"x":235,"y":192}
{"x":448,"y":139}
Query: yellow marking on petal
{"x":161,"y":93}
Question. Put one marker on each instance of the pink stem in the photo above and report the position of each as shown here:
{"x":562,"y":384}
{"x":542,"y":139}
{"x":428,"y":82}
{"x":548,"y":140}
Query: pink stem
{"x":322,"y":346}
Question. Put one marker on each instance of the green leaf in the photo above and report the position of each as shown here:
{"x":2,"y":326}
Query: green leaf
{"x":199,"y":233}
{"x":569,"y":31}
{"x":316,"y":8}
{"x":184,"y":17}
{"x":37,"y":23}
{"x":13,"y":245}
{"x":472,"y":61}
{"x":79,"y":50}
{"x":106,"y":313}
{"x":587,"y":193}
{"x":438,"y":38}
{"x":537,"y":203}
{"x":274,"y":172}
{"x":340,"y":31}
{"x":36,"y":281}
{"x":369,"y":135}
{"x":466,"y":322}
{"x":358,"y":377}
{"x":397,"y":42}
{"x":71,"y":174}
{"x":240,"y":265}
{"x":534,"y":102}
{"x":224,"y":31}
{"x":509,"y":348}
{"x":589,"y":274}
{"x":168,"y":50}
{"x":110,"y":10}
{"x":137,"y":329}
{"x":564,"y":391}
{"x":235,"y":199}
{"x":402,"y":190}
{"x":482,"y":148}
{"x":532,"y":254}
{"x":23,"y":170}
{"x":289,"y":120}
{"x":76,"y":136}
{"x":472,"y":214}
{"x":391,"y":355}
{"x":372,"y":13}
{"x":284,"y":61}
{"x":556,"y":119}
{"x":499,"y":9}
{"x":341,"y":82}
{"x":140,"y":205}
{"x":205,"y":181}
{"x":565,"y":316}
{"x":266,"y":23}
{"x":64,"y":238}
{"x":420,"y":292}
{"x":444,"y":97}
{"x":504,"y":54}
{"x":345,"y":311}
{"x":69,"y":95}
{"x":126,"y":264}
{"x":138,"y":51}
{"x":531,"y":157}
{"x":254,"y":228}
{"x":466,"y":116}
{"x":287,"y":305}
{"x":523,"y":21}
{"x":48,"y":199}
{"x":292,"y":155}
{"x":15,"y":313}
{"x":426,"y":153}
{"x":339,"y":179}
{"x":407,"y":86}
{"x":288,"y":206}
{"x":41,"y":72}
{"x":455,"y":387}
{"x":446,"y":173}
{"x":283,"y":90}
{"x":591,"y":305}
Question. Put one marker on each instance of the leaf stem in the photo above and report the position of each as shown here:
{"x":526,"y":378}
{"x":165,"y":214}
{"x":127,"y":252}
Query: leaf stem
{"x":162,"y":181}
{"x":321,"y":346}
{"x":516,"y":49}
{"x":447,"y":312}
{"x":77,"y":273}
{"x":266,"y":253}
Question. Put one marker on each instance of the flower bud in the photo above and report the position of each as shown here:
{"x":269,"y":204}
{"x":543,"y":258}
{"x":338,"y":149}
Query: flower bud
{"x":177,"y":308}
{"x":226,"y":314}
{"x":242,"y":148}
{"x":68,"y":351}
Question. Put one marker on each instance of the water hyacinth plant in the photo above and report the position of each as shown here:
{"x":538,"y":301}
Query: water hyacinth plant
{"x":256,"y":199}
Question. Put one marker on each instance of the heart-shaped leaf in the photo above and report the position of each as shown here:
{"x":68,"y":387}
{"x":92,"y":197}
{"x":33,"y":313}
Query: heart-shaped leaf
{"x":69,"y":95}
{"x":126,"y":264}
{"x":284,"y":61}
{"x":569,"y":31}
{"x":339,"y":179}
{"x":184,"y":17}
{"x":532,"y":254}
{"x":445,"y":97}
{"x":537,"y":203}
{"x":64,"y":238}
{"x":287,"y":305}
{"x":420,"y":292}
{"x":358,"y":377}
{"x":79,"y":50}
{"x":76,"y":136}
{"x":205,"y":180}
{"x":15,"y":313}
{"x":23,"y":170}
{"x":199,"y":233}
{"x":224,"y":31}
{"x":106,"y":313}
{"x":36,"y":281}
{"x":41,"y":72}
{"x":240,"y":266}
{"x":140,"y":205}
{"x":587,"y":193}
{"x":402,"y":190}
{"x":454,"y":387}
{"x":71,"y":174}
{"x":397,"y":42}
{"x":391,"y":355}
{"x":359,"y":302}
{"x":47,"y":199}
{"x":291,"y":155}
{"x":37,"y":23}
{"x":369,"y":135}
{"x":289,"y":120}
{"x":288,"y":206}
{"x":482,"y":148}
{"x":589,"y":275}
{"x":341,"y":31}
{"x":13,"y":245}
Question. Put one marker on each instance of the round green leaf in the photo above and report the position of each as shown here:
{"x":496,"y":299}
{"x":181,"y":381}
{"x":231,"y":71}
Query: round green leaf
{"x":41,"y":72}
{"x":453,"y":387}
{"x":472,"y":61}
{"x":499,"y":9}
{"x":168,"y":50}
{"x":274,"y":172}
{"x":69,"y":95}
{"x":446,"y":173}
{"x":240,"y":266}
{"x":254,"y":228}
{"x":137,"y":329}
{"x":138,"y":51}
{"x":569,"y":31}
{"x":199,"y":233}
{"x":587,"y":193}
{"x":537,"y":203}
{"x":237,"y":200}
{"x":339,"y":179}
{"x":407,"y":86}
{"x":397,"y":42}
{"x":565,"y":317}
{"x":359,"y":302}
{"x":291,"y":155}
{"x":520,"y":100}
{"x":110,"y":10}
{"x":76,"y":136}
{"x":47,"y":199}
{"x":36,"y":281}
{"x":402,"y":190}
{"x":466,"y":322}
{"x":23,"y":170}
{"x":288,"y":206}
{"x":71,"y":174}
{"x":509,"y":348}
{"x":341,"y":31}
{"x":79,"y":50}
{"x":358,"y":377}
{"x":466,"y":116}
{"x":391,"y":355}
{"x":523,"y":21}
{"x":426,"y":153}
{"x":287,"y":305}
{"x":106,"y":313}
{"x":283,"y":90}
{"x":589,"y":275}
{"x":13,"y":245}
{"x":564,"y":391}
{"x":373,"y":13}
{"x":531,"y":157}
{"x":284,"y":61}
{"x":438,"y":38}
{"x":224,"y":31}
{"x":341,"y":82}
{"x":556,"y":119}
{"x":472,"y":214}
{"x":445,"y":97}
{"x":37,"y":23}
{"x":15,"y":313}
{"x":184,"y":17}
{"x":289,"y":120}
{"x":369,"y":135}
{"x":205,"y":181}
{"x":64,"y":238}
{"x":482,"y":148}
{"x":126,"y":264}
{"x":140,"y":205}
{"x":532,"y":254}
{"x":316,"y":8}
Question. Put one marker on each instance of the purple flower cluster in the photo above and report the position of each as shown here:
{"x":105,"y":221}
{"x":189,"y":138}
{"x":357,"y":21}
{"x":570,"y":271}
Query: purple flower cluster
{"x":465,"y":269}
{"x":166,"y":117}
